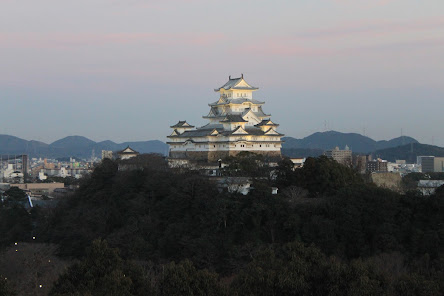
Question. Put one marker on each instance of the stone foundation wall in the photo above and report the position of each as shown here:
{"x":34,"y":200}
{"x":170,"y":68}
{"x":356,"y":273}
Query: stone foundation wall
{"x":388,"y":180}
{"x":214,"y":156}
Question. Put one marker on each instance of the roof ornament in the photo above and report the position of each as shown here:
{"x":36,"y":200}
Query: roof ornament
{"x":242,"y":76}
{"x":229,"y":77}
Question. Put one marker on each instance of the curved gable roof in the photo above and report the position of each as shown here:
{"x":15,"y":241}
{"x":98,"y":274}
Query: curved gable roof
{"x":236,"y":83}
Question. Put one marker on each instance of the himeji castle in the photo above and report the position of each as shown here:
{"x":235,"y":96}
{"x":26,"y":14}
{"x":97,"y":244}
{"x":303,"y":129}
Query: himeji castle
{"x":236,"y":123}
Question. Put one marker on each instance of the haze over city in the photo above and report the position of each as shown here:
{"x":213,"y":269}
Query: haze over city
{"x":127,"y":70}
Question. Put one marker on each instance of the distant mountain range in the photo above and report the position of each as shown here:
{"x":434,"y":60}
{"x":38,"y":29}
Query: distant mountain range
{"x":73,"y":146}
{"x":409,"y":152}
{"x":313,"y":145}
{"x":356,"y":142}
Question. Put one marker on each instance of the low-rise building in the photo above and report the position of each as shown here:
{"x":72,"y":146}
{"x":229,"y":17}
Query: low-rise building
{"x":39,"y":188}
{"x":298,"y":162}
{"x":341,"y":156}
{"x":428,"y":187}
{"x":127,"y":153}
{"x":377,"y":165}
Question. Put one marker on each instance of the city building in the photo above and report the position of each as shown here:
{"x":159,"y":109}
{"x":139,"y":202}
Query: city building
{"x":237,"y":123}
{"x":431,"y":164}
{"x":341,"y":156}
{"x":427,"y":163}
{"x":63,"y":172}
{"x":377,"y":165}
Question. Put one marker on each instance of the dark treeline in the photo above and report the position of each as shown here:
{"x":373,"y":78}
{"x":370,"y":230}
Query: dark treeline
{"x":156,"y":231}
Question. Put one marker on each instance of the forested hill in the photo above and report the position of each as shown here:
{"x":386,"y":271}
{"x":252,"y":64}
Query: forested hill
{"x":159,"y":231}
{"x":73,"y":146}
{"x":329,"y":140}
{"x":409,"y":152}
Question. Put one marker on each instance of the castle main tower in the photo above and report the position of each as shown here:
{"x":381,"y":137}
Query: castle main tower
{"x":236,"y":123}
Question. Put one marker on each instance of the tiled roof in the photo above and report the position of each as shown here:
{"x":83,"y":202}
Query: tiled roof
{"x":232,"y":82}
{"x":267,"y":122}
{"x":208,"y":129}
{"x":233,"y":118}
{"x":261,"y":113}
{"x":183,"y":123}
{"x":128,"y":152}
{"x":237,"y":101}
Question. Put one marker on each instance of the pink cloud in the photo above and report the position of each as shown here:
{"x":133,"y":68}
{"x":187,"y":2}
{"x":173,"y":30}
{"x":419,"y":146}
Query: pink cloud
{"x":374,"y":27}
{"x":365,"y":3}
{"x":283,"y":48}
{"x":66,"y":40}
{"x":280,"y":49}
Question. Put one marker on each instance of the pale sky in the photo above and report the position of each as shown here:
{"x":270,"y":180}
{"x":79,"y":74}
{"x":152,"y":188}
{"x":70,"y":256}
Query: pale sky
{"x":125,"y":70}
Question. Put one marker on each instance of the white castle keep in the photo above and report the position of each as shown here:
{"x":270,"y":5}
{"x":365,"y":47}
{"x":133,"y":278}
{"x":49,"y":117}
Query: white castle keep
{"x":236,"y":123}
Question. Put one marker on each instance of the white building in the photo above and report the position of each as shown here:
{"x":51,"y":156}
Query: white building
{"x":236,"y":123}
{"x":127,"y":153}
{"x":428,"y":187}
{"x":298,"y":162}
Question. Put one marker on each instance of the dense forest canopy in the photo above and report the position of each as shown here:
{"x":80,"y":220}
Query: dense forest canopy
{"x":156,"y":231}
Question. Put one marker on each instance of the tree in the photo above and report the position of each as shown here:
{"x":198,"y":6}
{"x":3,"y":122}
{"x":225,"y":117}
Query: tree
{"x":415,"y":285}
{"x":5,"y":289}
{"x":295,"y":269}
{"x":323,"y":175}
{"x":31,"y":268}
{"x":184,"y":279}
{"x":246,"y":164}
{"x":102,"y":272}
{"x":15,"y":224}
{"x":15,"y":194}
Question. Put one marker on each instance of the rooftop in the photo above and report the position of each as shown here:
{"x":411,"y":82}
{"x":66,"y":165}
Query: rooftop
{"x":236,"y":83}
{"x":233,"y":118}
{"x":183,"y":123}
